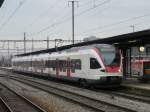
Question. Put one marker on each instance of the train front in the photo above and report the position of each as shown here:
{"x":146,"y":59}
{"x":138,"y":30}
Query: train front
{"x":110,"y":64}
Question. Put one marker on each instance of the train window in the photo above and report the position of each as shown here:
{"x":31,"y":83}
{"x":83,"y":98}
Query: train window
{"x":33,"y":63}
{"x":64,"y":65}
{"x":40,"y":63}
{"x":49,"y":64}
{"x":72,"y":65}
{"x":78,"y":64}
{"x":36,"y":64}
{"x":73,"y":70}
{"x":61,"y":65}
{"x":53,"y":64}
{"x":94,"y":63}
{"x":30,"y":63}
{"x":26,"y":63}
{"x":46,"y":63}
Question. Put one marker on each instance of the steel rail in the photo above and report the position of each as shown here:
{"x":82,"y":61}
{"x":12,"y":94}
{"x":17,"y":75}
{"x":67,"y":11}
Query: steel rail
{"x":140,"y":98}
{"x":92,"y":103}
{"x":118,"y":94}
{"x":7,"y":108}
{"x":36,"y":107}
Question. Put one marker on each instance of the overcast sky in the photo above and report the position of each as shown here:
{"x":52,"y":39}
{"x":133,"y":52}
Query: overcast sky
{"x":100,"y":18}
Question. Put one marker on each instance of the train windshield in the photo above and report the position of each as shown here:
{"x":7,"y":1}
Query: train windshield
{"x":110,"y":57}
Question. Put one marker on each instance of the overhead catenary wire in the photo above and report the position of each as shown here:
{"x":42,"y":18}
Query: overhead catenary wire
{"x":96,"y":6}
{"x":68,"y":18}
{"x":64,"y":17}
{"x":44,"y":12}
{"x":11,"y":16}
{"x":35,"y":20}
{"x":116,"y":23}
{"x":138,"y":23}
{"x":60,"y":29}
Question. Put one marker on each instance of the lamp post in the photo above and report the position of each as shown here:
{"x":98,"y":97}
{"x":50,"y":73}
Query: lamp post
{"x":141,"y":49}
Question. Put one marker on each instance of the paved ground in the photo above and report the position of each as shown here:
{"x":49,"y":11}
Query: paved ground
{"x":133,"y":82}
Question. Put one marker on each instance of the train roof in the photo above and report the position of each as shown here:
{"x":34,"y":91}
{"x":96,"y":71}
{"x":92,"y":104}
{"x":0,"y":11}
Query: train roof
{"x":73,"y":49}
{"x":89,"y":47}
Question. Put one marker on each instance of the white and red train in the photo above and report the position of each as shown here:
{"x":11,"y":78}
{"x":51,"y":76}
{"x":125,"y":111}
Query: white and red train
{"x":98,"y":64}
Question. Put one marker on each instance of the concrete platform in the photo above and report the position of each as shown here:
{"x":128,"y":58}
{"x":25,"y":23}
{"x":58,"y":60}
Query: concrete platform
{"x":133,"y":82}
{"x":134,"y":86}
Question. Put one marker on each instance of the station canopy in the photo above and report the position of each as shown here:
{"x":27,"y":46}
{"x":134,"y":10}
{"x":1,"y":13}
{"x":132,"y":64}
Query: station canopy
{"x":138,"y":39}
{"x":1,"y":2}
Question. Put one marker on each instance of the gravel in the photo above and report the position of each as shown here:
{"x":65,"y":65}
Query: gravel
{"x":47,"y":101}
{"x":124,"y":102}
{"x":121,"y":101}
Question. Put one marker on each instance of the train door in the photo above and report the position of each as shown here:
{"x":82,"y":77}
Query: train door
{"x":68,"y":67}
{"x":57,"y":68}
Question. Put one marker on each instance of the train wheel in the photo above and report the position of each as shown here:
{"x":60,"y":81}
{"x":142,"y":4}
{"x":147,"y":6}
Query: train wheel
{"x":83,"y":83}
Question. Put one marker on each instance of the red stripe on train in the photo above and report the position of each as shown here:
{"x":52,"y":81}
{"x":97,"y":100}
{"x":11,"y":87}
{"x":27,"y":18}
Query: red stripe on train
{"x":112,"y":69}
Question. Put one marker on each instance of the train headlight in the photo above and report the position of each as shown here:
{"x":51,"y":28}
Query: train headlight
{"x":119,"y":70}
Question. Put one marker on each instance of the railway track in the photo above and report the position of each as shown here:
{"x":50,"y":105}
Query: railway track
{"x":4,"y":107}
{"x":102,"y":106}
{"x":129,"y":96}
{"x":115,"y":93}
{"x":86,"y":101}
{"x":14,"y":102}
